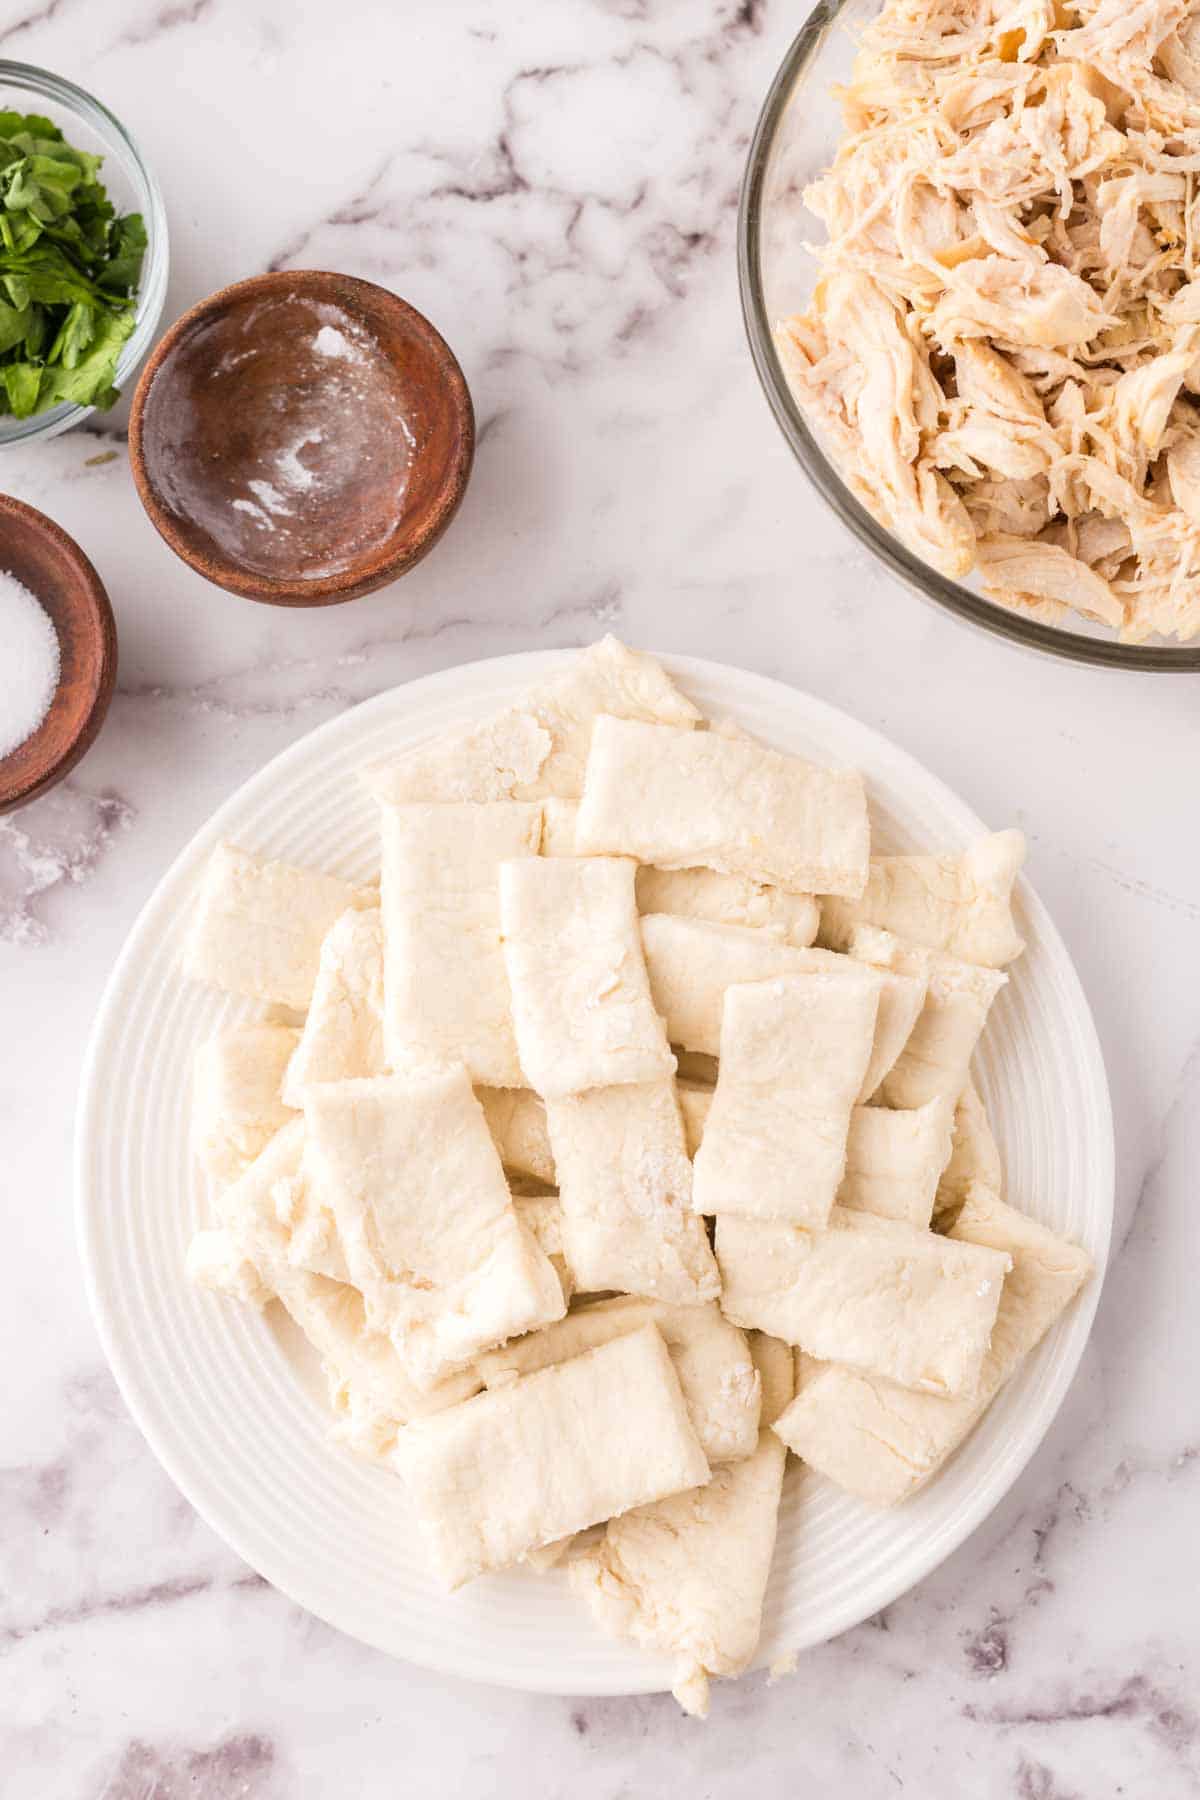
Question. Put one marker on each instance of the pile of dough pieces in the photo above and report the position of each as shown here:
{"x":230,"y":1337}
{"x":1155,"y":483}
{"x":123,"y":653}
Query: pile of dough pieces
{"x":626,"y":977}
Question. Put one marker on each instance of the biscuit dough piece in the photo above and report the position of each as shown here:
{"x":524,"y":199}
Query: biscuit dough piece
{"x":873,"y":1293}
{"x":935,"y":1062}
{"x":901,"y":1002}
{"x":558,"y":827}
{"x":883,"y":1442}
{"x":698,"y":893}
{"x":237,"y":1104}
{"x":974,"y":1156}
{"x":215,"y":1261}
{"x":275,"y":1241}
{"x":793,"y":1055}
{"x":276,"y":1216}
{"x":720,"y":1383}
{"x":687,"y":1576}
{"x":580,"y":995}
{"x":542,"y":1215}
{"x":625,"y":1184}
{"x":445,"y":988}
{"x":729,"y":900}
{"x":691,"y":962}
{"x":529,"y":1463}
{"x":369,"y":1392}
{"x":961,"y":905}
{"x":538,"y":746}
{"x":684,"y":800}
{"x":894,"y":1160}
{"x":258,"y":926}
{"x":516,"y":1118}
{"x":371,"y":1395}
{"x":343,"y":1033}
{"x":424,"y":1215}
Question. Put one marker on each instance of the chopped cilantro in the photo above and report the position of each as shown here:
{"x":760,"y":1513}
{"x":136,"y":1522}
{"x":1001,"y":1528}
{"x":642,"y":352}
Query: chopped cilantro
{"x":69,"y":271}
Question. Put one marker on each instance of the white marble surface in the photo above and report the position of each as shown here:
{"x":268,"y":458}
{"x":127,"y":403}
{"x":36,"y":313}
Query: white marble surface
{"x":554,"y":182}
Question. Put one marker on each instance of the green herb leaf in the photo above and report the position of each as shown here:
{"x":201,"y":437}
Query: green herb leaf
{"x":69,"y":271}
{"x":89,"y":381}
{"x":14,"y":326}
{"x":74,"y":335}
{"x":21,"y":383}
{"x":11,"y":123}
{"x":125,"y":258}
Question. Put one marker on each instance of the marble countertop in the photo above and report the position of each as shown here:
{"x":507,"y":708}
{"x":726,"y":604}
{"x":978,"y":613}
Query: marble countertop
{"x":554,"y":183}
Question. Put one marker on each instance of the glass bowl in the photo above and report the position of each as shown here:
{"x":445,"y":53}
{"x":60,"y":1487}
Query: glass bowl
{"x":797,"y":135}
{"x":132,"y":188}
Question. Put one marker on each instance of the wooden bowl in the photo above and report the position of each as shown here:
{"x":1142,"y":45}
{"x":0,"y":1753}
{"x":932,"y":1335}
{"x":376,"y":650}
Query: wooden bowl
{"x":302,"y":437}
{"x":53,"y":567}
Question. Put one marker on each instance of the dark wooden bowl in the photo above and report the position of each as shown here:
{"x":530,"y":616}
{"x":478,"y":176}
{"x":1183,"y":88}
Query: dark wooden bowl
{"x":236,"y":379}
{"x":53,"y":567}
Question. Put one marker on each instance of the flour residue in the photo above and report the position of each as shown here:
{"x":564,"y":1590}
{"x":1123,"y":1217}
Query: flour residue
{"x":309,"y":446}
{"x":329,"y":341}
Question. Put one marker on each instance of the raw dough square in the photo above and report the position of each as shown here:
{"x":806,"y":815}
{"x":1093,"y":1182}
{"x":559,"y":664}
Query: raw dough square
{"x":274,"y":1215}
{"x":342,"y":1038}
{"x":698,"y":893}
{"x":533,"y":1461}
{"x":237,"y":1104}
{"x":409,"y":1170}
{"x":516,"y":1118}
{"x":580,"y":995}
{"x":687,"y":1576}
{"x":935,"y":1062}
{"x":793,"y":1055}
{"x":259,"y":925}
{"x":538,"y":746}
{"x":961,"y":905}
{"x":541,"y":1214}
{"x":683,"y":800}
{"x":445,"y":987}
{"x":729,"y":900}
{"x":720,"y":1384}
{"x":625,"y":1183}
{"x":974,"y":1156}
{"x":874,"y":1293}
{"x":894,"y":1161}
{"x":883,"y":1442}
{"x":691,"y":962}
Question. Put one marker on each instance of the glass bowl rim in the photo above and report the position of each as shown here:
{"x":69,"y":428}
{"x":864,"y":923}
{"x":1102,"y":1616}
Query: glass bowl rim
{"x":152,"y":293}
{"x":918,"y":576}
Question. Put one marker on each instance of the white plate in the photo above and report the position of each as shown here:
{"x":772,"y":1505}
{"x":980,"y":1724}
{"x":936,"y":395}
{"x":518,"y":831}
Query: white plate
{"x":229,"y":1402}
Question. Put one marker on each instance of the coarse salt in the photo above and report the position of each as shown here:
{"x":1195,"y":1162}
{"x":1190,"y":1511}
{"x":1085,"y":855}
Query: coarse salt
{"x":29,"y":663}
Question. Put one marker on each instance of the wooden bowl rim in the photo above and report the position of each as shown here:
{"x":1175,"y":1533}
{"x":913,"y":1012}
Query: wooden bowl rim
{"x":375,"y":568}
{"x":89,"y":598}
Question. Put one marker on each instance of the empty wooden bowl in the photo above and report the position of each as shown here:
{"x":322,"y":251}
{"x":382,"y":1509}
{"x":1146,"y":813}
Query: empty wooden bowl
{"x":54,"y":569}
{"x":302,"y":437}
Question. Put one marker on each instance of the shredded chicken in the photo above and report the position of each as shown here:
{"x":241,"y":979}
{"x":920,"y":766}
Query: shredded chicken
{"x":1003,"y":347}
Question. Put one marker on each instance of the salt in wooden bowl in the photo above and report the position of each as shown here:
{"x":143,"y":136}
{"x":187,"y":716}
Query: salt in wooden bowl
{"x":55,"y":570}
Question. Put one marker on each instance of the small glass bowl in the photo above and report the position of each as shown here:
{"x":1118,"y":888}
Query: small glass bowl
{"x":89,"y":126}
{"x":797,"y":136}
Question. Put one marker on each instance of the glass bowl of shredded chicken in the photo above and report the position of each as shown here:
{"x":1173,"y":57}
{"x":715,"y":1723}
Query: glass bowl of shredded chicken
{"x":970,"y":266}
